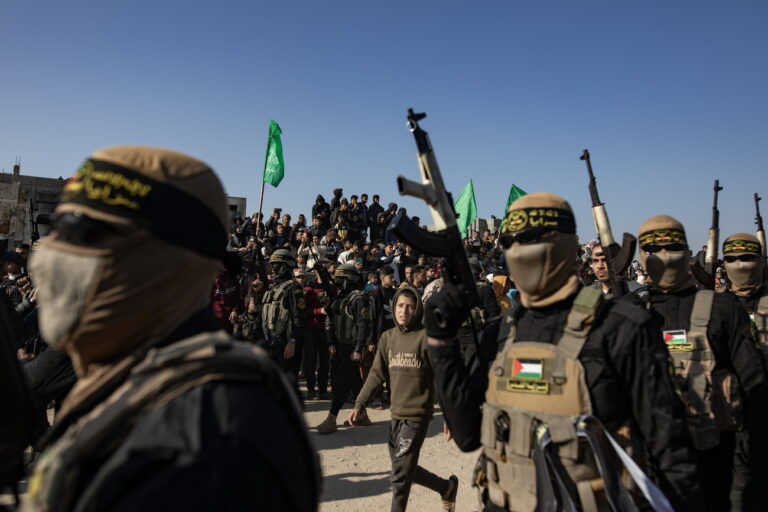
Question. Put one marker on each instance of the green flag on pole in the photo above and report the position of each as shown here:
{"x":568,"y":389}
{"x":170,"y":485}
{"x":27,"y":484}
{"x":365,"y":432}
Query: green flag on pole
{"x":466,"y":209}
{"x":274,"y":165}
{"x":515,"y":193}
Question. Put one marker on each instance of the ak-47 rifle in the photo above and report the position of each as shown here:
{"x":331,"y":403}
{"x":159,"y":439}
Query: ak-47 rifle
{"x":759,"y":223}
{"x":619,"y":256}
{"x":34,"y":229}
{"x":446,"y":242}
{"x":261,"y":269}
{"x":713,"y":236}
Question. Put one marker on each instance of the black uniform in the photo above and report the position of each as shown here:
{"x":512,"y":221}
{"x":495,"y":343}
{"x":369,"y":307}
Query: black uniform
{"x":734,"y":349}
{"x":293,"y":302}
{"x":346,"y":375}
{"x":488,"y":309}
{"x":209,"y":448}
{"x":627,"y":371}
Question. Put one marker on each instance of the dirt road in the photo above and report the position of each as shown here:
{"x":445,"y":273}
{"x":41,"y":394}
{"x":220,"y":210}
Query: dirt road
{"x":356,"y":464}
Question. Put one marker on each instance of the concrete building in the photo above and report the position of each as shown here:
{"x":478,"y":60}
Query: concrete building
{"x":25,"y":198}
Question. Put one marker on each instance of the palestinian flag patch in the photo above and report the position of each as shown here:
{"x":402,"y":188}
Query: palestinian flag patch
{"x":677,"y":341}
{"x":528,"y":369}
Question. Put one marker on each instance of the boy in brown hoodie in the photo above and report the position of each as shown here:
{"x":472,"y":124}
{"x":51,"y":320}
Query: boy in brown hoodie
{"x":401,"y":356}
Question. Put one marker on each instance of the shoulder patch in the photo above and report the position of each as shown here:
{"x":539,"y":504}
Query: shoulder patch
{"x":300,"y":302}
{"x":365,"y":313}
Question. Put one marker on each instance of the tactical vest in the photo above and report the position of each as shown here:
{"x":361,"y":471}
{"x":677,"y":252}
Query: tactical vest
{"x":542,"y":448}
{"x":712,"y":397}
{"x":274,"y":316}
{"x":163,"y":375}
{"x":344,"y":323}
{"x":760,"y":324}
{"x":535,"y":384}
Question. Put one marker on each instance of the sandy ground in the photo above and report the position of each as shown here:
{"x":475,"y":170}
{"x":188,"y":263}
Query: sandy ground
{"x":356,"y":464}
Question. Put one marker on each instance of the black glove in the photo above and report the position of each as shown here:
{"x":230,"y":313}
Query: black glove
{"x":444,"y":312}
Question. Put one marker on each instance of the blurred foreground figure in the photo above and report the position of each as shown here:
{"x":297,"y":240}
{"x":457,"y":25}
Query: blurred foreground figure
{"x":168,"y":412}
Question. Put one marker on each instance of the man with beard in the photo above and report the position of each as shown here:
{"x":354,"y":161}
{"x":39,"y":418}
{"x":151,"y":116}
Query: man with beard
{"x":599,"y":265}
{"x":347,"y":327}
{"x":332,"y":245}
{"x":564,"y":340}
{"x":168,"y":412}
{"x":745,"y":267}
{"x":717,"y":366}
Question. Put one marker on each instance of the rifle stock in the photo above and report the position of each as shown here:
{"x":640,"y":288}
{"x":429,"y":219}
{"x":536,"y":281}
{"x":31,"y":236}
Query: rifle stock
{"x":619,"y":256}
{"x":713,"y":235}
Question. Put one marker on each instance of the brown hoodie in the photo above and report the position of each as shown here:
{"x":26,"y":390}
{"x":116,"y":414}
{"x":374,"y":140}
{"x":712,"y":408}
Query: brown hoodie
{"x":401,"y":356}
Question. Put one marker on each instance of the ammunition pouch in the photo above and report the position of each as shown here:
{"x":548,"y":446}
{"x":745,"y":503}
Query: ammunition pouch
{"x":344,"y":323}
{"x":275,"y":317}
{"x":712,"y":398}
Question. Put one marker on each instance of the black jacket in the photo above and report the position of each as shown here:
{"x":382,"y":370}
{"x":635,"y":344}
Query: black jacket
{"x":730,"y":337}
{"x":360,"y":311}
{"x":223,"y":445}
{"x":381,"y":313}
{"x":627,"y":372}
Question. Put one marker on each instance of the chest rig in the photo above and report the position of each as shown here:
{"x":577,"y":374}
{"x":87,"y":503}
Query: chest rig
{"x":344,"y":322}
{"x":275,"y":316}
{"x":542,"y":449}
{"x":712,"y":397}
{"x":62,"y":479}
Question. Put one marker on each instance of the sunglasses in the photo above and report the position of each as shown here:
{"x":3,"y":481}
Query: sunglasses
{"x":76,"y":228}
{"x":740,"y":257}
{"x":524,"y":237}
{"x":653,"y":248}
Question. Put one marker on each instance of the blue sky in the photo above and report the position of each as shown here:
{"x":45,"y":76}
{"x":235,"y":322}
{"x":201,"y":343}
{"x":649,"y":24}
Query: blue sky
{"x":667,"y":96}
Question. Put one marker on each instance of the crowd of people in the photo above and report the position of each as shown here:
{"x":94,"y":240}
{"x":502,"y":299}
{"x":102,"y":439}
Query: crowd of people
{"x":335,"y":307}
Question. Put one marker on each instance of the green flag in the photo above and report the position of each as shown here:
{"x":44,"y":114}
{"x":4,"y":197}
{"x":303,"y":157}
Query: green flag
{"x":274,"y":165}
{"x":466,"y":208}
{"x":514,"y":193}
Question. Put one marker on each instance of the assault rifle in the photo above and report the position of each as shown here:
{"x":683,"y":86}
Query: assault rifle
{"x":33,"y":227}
{"x":446,"y":242}
{"x":713,"y":236}
{"x":619,"y":256}
{"x":759,"y":223}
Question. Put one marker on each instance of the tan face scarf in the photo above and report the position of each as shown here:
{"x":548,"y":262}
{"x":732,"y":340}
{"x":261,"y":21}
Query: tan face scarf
{"x":544,"y":272}
{"x":98,"y":304}
{"x":667,"y":270}
{"x":745,"y":276}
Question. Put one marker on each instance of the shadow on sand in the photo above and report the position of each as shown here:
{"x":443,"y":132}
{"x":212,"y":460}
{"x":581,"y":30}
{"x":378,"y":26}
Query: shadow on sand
{"x":349,"y":486}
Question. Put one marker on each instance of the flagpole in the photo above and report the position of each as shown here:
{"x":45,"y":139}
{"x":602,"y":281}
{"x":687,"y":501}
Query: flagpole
{"x":257,"y":249}
{"x":263,"y":170}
